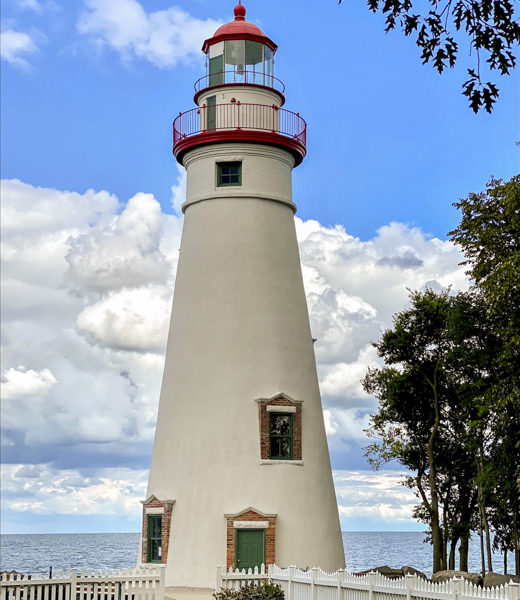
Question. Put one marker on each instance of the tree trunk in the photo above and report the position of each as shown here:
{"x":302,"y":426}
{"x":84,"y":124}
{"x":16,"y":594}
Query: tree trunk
{"x":481,"y":533}
{"x":436,"y":530}
{"x":516,"y":541}
{"x":505,"y":561}
{"x":445,"y":534}
{"x":488,"y":540}
{"x":453,"y":547}
{"x":463,"y":554}
{"x":483,"y":510}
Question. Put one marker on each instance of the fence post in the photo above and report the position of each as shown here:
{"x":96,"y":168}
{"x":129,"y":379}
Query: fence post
{"x":162,"y":572}
{"x":371,"y":583}
{"x":270,"y":573}
{"x":218,"y":580}
{"x":73,"y":584}
{"x":410,"y":585}
{"x":513,"y":591}
{"x":456,"y":587}
{"x":341,"y":579}
{"x":314,"y":589}
{"x":290,"y":592}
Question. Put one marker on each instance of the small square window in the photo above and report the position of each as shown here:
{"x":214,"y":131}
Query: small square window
{"x":229,"y":173}
{"x":281,"y":436}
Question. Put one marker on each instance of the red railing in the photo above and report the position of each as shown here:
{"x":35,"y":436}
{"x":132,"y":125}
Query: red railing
{"x":239,"y":77}
{"x":235,"y":116}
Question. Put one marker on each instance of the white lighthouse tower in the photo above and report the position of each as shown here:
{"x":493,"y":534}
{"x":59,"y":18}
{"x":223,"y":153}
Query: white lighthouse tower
{"x":240,"y":472}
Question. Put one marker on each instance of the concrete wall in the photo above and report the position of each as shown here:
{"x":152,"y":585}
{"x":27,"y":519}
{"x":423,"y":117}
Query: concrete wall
{"x":240,"y":331}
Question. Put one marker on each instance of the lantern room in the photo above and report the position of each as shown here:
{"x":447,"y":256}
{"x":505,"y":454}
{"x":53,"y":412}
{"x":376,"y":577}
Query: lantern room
{"x":240,"y":53}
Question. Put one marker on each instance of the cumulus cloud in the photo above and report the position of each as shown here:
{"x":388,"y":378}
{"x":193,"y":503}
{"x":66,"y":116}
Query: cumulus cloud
{"x":125,"y":253}
{"x":87,"y":291}
{"x":164,"y":38}
{"x":15,"y":45}
{"x":130,"y":319}
{"x":87,"y":287}
{"x":18,"y":383}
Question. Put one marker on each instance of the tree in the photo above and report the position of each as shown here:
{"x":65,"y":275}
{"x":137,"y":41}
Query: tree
{"x":435,"y":415}
{"x":489,"y":235}
{"x":492,"y":28}
{"x":418,"y":422}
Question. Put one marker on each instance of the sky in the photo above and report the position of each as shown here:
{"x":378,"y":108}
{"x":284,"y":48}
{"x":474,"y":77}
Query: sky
{"x":91,"y":227}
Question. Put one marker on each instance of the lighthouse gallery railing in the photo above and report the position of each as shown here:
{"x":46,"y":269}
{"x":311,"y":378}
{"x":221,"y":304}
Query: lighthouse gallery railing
{"x":235,"y":116}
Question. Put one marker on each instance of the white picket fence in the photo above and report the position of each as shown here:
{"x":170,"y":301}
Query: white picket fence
{"x":133,"y":584}
{"x":315,"y":584}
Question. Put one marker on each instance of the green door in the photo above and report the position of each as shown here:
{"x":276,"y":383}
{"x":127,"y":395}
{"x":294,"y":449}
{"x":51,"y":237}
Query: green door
{"x":211,"y":103}
{"x":249,"y":548}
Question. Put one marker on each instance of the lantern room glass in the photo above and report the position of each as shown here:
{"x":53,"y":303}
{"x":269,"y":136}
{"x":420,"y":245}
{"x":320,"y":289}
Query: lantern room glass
{"x":242,"y":61}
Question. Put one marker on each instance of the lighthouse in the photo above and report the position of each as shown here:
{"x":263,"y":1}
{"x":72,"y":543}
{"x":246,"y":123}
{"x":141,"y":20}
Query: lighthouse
{"x":240,"y":473}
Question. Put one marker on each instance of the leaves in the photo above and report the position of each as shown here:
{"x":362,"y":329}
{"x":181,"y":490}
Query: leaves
{"x":490,"y":25}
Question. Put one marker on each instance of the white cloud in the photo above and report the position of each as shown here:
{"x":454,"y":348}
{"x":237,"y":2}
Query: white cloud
{"x":87,"y":294}
{"x":179,"y":191}
{"x":19,"y":383}
{"x":378,"y":495}
{"x":130,"y":319}
{"x":15,"y":45}
{"x":164,"y":37}
{"x":114,"y":491}
{"x":125,"y":253}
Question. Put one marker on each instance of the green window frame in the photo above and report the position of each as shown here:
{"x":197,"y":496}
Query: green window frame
{"x":229,"y":174}
{"x":281,"y":436}
{"x":154,"y":538}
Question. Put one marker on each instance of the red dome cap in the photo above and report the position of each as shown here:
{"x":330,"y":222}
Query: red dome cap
{"x":239,"y":29}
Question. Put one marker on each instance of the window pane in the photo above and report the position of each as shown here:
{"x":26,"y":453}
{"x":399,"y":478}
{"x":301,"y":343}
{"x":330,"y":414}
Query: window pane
{"x":235,"y":60}
{"x":155,"y":527}
{"x":275,"y":447}
{"x":276,"y":425}
{"x":268,"y":66}
{"x":285,"y":448}
{"x":285,"y":425}
{"x":156,"y":555}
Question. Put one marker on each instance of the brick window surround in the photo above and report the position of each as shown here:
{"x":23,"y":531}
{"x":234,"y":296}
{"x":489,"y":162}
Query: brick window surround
{"x":251,"y":515}
{"x":276,"y":403}
{"x":157,"y":505}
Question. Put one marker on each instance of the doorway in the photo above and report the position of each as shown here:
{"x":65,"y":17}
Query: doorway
{"x":249,"y":548}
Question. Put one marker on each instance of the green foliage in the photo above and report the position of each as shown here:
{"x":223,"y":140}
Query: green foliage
{"x":492,"y":28}
{"x":489,"y":234}
{"x":265,"y":591}
{"x":449,"y":393}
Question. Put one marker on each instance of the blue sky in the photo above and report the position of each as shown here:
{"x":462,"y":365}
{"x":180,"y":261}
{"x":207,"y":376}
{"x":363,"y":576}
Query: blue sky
{"x":88,"y":101}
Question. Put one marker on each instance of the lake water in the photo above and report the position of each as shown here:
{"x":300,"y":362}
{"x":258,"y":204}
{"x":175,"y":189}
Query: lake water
{"x":363,"y":550}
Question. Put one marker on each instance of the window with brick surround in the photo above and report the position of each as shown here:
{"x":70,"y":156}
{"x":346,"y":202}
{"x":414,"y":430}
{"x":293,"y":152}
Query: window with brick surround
{"x":155,"y":540}
{"x":280,"y":420}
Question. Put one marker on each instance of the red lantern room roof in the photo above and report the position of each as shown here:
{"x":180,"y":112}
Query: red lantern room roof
{"x":239,"y":29}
